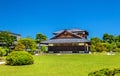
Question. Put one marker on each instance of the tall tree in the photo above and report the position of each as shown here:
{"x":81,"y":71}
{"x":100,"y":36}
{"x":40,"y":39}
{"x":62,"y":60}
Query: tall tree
{"x":7,"y":39}
{"x":29,"y":43}
{"x":108,"y":38}
{"x":3,"y":37}
{"x":39,"y":38}
{"x":94,"y":44}
{"x":117,"y":38}
{"x":95,"y":40}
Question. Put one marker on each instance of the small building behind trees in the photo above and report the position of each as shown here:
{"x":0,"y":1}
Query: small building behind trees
{"x":69,"y":41}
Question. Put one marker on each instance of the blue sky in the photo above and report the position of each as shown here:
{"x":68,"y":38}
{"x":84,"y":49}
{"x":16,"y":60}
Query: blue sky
{"x":28,"y":17}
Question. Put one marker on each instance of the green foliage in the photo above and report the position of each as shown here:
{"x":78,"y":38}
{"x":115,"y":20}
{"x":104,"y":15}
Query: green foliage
{"x":108,"y":44}
{"x":31,"y":52}
{"x":95,"y":40}
{"x":43,"y":49}
{"x":102,"y":72}
{"x":92,"y":48}
{"x":117,"y":49}
{"x":19,"y":47}
{"x":110,"y":47}
{"x":40,"y":37}
{"x":96,"y":45}
{"x":2,"y":51}
{"x":7,"y":39}
{"x":117,"y":38}
{"x":108,"y":38}
{"x":105,"y":72}
{"x":118,"y":44}
{"x":19,"y":58}
{"x":99,"y":47}
{"x":7,"y":51}
{"x":29,"y":43}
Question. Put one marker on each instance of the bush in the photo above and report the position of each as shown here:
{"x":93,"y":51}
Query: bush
{"x":2,"y":51}
{"x":31,"y":52}
{"x":117,"y":49}
{"x":19,"y":58}
{"x":105,"y":72}
{"x":43,"y":49}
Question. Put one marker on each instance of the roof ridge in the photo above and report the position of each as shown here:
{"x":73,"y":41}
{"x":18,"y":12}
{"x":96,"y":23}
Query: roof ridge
{"x":68,"y":32}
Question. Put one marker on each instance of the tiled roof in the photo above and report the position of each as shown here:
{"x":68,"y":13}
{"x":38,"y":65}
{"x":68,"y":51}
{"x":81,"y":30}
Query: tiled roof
{"x":75,"y":35}
{"x":72,"y":40}
{"x":69,"y":30}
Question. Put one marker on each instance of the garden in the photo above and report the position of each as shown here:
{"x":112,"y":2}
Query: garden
{"x":21,"y":61}
{"x":63,"y":65}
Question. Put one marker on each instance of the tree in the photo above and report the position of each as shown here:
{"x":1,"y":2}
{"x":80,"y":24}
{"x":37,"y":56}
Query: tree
{"x":12,"y":39}
{"x":29,"y":43}
{"x":39,"y":38}
{"x":118,"y":44}
{"x":4,"y":36}
{"x":96,"y":45}
{"x":109,"y":43}
{"x":92,"y":48}
{"x":112,"y":47}
{"x":95,"y":40}
{"x":19,"y":47}
{"x":7,"y":39}
{"x":108,"y":38}
{"x":117,"y":38}
{"x":100,"y":47}
{"x":43,"y":49}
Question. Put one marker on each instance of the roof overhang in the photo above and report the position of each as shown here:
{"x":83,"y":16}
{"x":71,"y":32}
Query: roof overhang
{"x":53,"y":41}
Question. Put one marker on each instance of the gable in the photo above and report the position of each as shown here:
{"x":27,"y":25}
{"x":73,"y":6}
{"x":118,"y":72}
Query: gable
{"x":65,"y":34}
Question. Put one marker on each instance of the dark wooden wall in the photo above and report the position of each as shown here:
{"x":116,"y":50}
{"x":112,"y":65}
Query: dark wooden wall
{"x":66,"y":48}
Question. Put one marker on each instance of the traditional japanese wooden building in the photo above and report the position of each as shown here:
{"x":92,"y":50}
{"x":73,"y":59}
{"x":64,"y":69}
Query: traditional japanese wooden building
{"x":69,"y":41}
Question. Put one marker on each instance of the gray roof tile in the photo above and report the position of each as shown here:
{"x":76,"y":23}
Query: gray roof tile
{"x":66,"y":40}
{"x":69,"y":30}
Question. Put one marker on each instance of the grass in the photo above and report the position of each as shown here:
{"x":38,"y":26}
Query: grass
{"x":63,"y":65}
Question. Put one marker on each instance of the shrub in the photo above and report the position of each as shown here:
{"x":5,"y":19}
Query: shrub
{"x":43,"y":49}
{"x":2,"y":51}
{"x":31,"y":52}
{"x":117,"y":49}
{"x":19,"y":58}
{"x":105,"y":72}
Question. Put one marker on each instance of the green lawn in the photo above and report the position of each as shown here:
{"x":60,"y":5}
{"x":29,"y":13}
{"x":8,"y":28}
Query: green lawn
{"x":63,"y":65}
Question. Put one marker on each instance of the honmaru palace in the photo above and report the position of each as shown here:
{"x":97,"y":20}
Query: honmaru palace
{"x":69,"y":41}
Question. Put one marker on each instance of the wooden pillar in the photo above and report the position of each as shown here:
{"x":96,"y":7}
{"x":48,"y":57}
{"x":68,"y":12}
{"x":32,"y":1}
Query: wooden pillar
{"x":86,"y":48}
